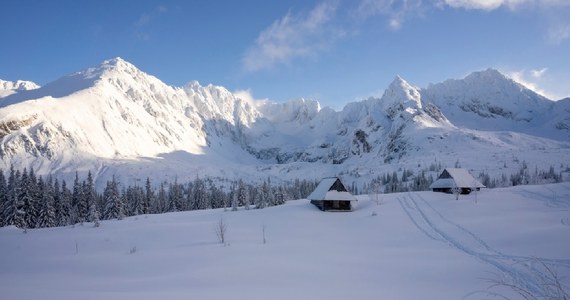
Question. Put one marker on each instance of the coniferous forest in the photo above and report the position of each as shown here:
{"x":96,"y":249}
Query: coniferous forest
{"x":30,"y":201}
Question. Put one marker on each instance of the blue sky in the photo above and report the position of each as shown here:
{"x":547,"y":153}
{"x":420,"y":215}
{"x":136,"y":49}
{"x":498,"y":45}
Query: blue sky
{"x":332,"y":51}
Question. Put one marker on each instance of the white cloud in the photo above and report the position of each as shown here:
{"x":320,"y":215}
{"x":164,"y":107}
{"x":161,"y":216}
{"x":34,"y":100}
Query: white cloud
{"x":145,"y":19}
{"x":531,"y":80}
{"x":291,"y":37}
{"x":475,"y":4}
{"x":559,"y":34}
{"x":538,"y":72}
{"x":397,"y":11}
{"x":247,"y":96}
{"x":554,"y":12}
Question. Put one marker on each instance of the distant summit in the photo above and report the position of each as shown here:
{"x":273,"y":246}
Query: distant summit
{"x":19,"y":85}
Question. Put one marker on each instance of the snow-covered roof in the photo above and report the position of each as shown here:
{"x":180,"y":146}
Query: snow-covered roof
{"x":456,"y":177}
{"x":324,"y":192}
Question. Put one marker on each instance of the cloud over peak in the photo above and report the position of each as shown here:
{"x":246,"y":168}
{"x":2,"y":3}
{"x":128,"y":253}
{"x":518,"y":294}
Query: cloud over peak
{"x":291,"y":37}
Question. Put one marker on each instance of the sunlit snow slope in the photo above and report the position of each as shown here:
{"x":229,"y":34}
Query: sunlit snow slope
{"x":408,"y":246}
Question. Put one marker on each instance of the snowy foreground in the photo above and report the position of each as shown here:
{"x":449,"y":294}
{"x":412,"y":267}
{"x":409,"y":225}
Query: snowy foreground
{"x":411,"y":246}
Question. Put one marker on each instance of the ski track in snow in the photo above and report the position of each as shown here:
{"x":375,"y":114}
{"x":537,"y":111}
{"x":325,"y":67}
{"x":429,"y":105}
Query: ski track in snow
{"x":436,"y":226}
{"x":560,"y":201}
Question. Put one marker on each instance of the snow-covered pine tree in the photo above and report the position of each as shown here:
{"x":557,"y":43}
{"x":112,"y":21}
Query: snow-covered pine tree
{"x":25,"y":202}
{"x":200,"y":196}
{"x":242,"y":195}
{"x":46,"y":216}
{"x":94,"y":215}
{"x":63,"y":205}
{"x":148,"y":197}
{"x":134,"y":200}
{"x":13,"y":213}
{"x":217,"y":196}
{"x":188,"y":196}
{"x":113,"y":205}
{"x":175,"y":196}
{"x":79,"y":203}
{"x":10,"y":204}
{"x":35,"y":192}
{"x":3,"y":196}
{"x":161,"y":200}
{"x":89,"y":195}
{"x":280,"y":195}
{"x":211,"y":194}
{"x":262,"y":199}
{"x":234,"y":197}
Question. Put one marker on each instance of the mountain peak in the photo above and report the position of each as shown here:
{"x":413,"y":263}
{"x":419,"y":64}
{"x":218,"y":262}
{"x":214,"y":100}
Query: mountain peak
{"x":18,"y":85}
{"x":401,"y":92}
{"x":489,"y":74}
{"x":115,"y":61}
{"x":112,"y":66}
{"x":398,"y":80}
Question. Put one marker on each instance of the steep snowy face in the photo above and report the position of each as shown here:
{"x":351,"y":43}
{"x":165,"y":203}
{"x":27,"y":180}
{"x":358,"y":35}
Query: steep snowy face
{"x":299,"y":111}
{"x":370,"y":128}
{"x":400,"y":95}
{"x":404,"y":101}
{"x":115,"y":111}
{"x":490,"y":96}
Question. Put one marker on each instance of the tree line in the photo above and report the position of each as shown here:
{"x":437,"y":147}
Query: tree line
{"x":407,"y":180}
{"x":30,"y":201}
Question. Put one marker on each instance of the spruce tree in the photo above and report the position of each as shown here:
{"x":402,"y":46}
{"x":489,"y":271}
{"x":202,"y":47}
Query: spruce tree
{"x":280,"y":196}
{"x":94,"y":215}
{"x":263,"y":196}
{"x":25,"y":203}
{"x":175,"y":197}
{"x":78,"y":200}
{"x":161,"y":199}
{"x":46,"y":217}
{"x":242,"y":196}
{"x":16,"y":213}
{"x":200,"y":199}
{"x":135,"y":198}
{"x":234,"y":197}
{"x":148,"y":197}
{"x":9,"y":210}
{"x":36,"y":194}
{"x":3,"y":196}
{"x":63,"y":206}
{"x":113,"y":205}
{"x":89,"y":196}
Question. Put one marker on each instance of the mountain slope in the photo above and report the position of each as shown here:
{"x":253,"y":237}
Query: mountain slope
{"x":115,"y":111}
{"x":488,"y":100}
{"x":114,"y":119}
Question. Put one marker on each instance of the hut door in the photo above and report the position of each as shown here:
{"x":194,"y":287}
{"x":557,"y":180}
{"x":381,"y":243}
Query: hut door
{"x":336,"y":204}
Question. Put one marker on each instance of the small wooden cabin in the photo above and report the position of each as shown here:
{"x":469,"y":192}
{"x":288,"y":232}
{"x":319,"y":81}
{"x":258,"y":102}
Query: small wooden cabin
{"x":331,"y":195}
{"x":456,"y":178}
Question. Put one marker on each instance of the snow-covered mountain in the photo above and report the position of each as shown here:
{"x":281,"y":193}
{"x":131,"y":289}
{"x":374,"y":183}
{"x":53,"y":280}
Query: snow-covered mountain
{"x":488,"y":100}
{"x":10,"y":87}
{"x":114,"y":119}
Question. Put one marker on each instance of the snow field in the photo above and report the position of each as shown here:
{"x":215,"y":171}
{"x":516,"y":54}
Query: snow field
{"x":417,"y":246}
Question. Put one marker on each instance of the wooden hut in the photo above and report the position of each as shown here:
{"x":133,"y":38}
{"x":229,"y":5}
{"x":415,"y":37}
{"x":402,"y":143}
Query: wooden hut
{"x":452,"y":178}
{"x":331,"y":195}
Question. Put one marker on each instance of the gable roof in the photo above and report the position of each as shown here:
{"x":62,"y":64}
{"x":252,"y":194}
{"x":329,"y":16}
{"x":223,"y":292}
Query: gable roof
{"x":455,"y":177}
{"x":331,"y":188}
